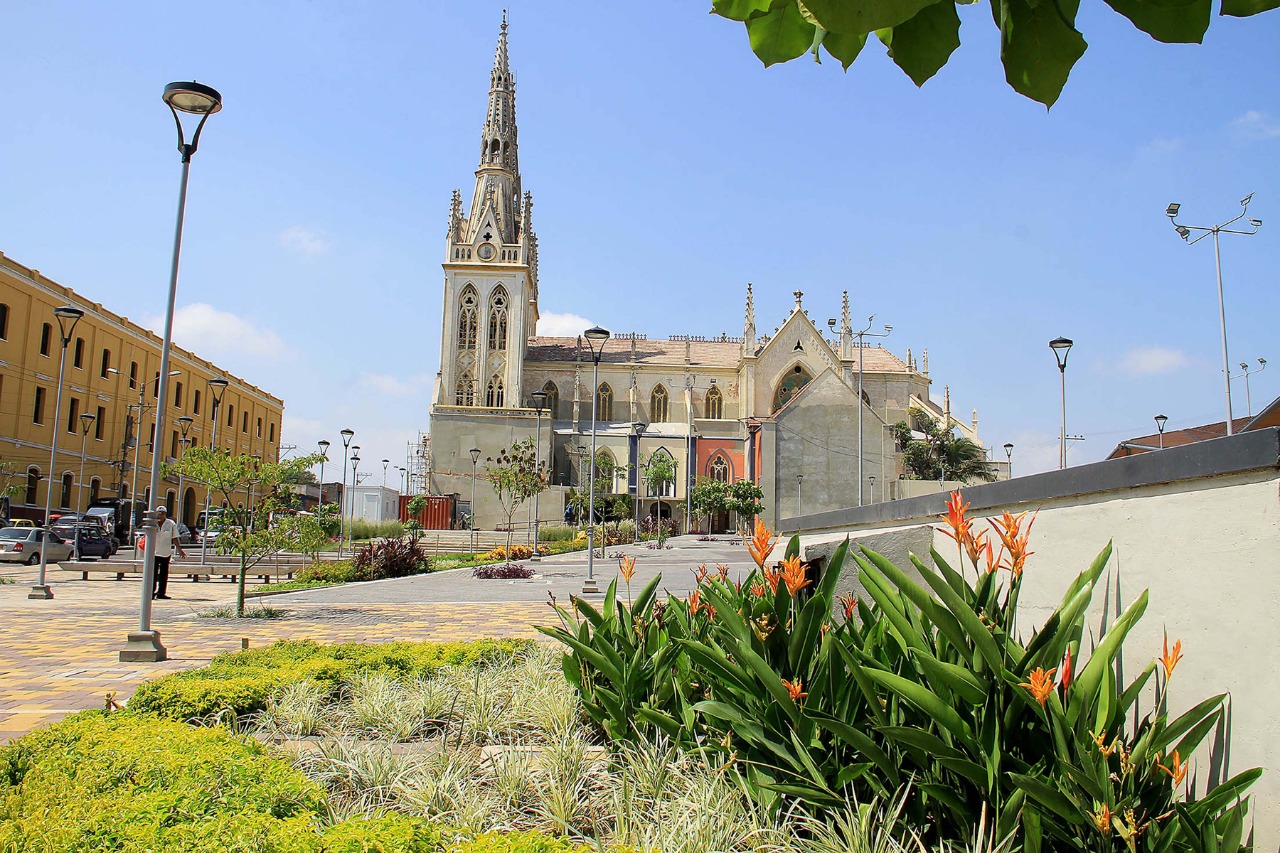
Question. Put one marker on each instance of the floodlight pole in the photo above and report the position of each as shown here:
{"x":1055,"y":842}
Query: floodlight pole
{"x":865,"y":333}
{"x":1184,"y":231}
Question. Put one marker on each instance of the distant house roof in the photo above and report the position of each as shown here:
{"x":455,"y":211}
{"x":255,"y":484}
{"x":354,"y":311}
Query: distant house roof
{"x":725,"y":353}
{"x":1177,"y":437}
{"x":1268,"y":417}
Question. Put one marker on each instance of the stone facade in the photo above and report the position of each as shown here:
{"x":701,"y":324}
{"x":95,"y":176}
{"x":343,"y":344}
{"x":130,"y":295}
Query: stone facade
{"x":764,"y":408}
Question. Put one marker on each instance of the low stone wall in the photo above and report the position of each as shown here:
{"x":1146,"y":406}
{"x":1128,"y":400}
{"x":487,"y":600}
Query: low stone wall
{"x":1198,"y":525}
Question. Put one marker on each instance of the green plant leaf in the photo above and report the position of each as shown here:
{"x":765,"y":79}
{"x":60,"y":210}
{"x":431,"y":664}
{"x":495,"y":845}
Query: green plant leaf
{"x":780,"y":35}
{"x":1223,"y":795}
{"x":1039,"y":45}
{"x":958,"y":679}
{"x":973,"y":627}
{"x":866,"y":16}
{"x":859,"y":741}
{"x":845,"y":47}
{"x":744,"y":10}
{"x":1245,"y":8}
{"x":921,"y":45}
{"x":927,"y":701}
{"x":1049,"y":797}
{"x":1188,"y":720}
{"x":1182,"y":22}
{"x":1084,"y":689}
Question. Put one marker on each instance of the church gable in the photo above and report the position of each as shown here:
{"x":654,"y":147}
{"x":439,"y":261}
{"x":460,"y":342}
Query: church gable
{"x":798,"y":344}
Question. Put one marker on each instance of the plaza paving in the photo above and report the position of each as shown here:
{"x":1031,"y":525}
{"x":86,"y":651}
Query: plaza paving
{"x":61,"y":656}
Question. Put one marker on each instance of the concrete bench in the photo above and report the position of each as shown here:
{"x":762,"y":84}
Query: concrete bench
{"x":265,"y":572}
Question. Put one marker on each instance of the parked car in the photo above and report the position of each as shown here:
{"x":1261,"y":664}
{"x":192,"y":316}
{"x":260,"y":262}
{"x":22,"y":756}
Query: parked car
{"x":22,"y":545}
{"x":93,"y":540}
{"x":23,"y":522}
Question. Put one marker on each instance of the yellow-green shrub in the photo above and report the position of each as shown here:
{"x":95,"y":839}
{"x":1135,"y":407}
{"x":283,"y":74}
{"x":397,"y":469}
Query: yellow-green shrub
{"x":330,"y":571}
{"x":242,"y":682}
{"x":517,"y":842}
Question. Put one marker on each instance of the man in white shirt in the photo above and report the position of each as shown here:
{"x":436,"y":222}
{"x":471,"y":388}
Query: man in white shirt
{"x":166,"y":543}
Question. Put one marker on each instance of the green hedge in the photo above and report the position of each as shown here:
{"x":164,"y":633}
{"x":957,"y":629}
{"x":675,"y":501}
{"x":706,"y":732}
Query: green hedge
{"x":242,"y":682}
{"x":128,"y":783}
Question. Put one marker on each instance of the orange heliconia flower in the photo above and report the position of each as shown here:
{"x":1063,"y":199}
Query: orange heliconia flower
{"x":761,"y":543}
{"x":1178,"y":771}
{"x":627,"y":568}
{"x":700,"y":573}
{"x":1102,"y":819}
{"x":1170,"y":658}
{"x":695,"y":602}
{"x":793,"y":575}
{"x":955,"y":518}
{"x":989,"y":557}
{"x":795,"y":690}
{"x":1041,"y":684}
{"x":1009,"y":528}
{"x":974,"y":546}
{"x":850,"y":604}
{"x":1066,"y":669}
{"x":772,"y":574}
{"x":723,"y":571}
{"x":758,"y":590}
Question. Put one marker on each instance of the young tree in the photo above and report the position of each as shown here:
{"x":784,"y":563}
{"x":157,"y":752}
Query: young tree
{"x":940,"y":455}
{"x":709,"y":496}
{"x":745,"y":501}
{"x":414,"y":508}
{"x":516,"y":475}
{"x":252,"y":533}
{"x":659,"y":471}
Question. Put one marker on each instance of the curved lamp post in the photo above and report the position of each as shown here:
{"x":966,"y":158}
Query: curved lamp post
{"x":184,"y":424}
{"x":217,"y":387}
{"x":471,"y":525}
{"x":1061,"y":349}
{"x":355,"y":466}
{"x":1008,"y":455}
{"x":596,"y":339}
{"x":539,"y":403}
{"x":799,"y":504}
{"x":67,"y":316}
{"x":134,"y":521}
{"x":324,"y":450}
{"x":872,"y":478}
{"x":346,"y":434}
{"x":638,"y":427}
{"x":1184,"y":231}
{"x":192,"y":99}
{"x":86,"y":423}
{"x":1161,"y":420}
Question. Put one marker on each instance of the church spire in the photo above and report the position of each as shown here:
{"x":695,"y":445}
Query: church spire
{"x":846,"y":329}
{"x":498,"y":175}
{"x":749,"y":327}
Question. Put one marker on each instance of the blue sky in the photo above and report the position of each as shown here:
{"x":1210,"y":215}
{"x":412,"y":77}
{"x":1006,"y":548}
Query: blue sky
{"x":668,"y":169}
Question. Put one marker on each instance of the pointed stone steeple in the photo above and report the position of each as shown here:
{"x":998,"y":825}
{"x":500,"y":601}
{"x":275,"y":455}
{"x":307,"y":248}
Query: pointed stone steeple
{"x":846,"y":329}
{"x":749,"y":327}
{"x":498,"y":175}
{"x":455,"y":216}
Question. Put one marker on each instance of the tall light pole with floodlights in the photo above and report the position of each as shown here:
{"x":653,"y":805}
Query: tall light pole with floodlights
{"x":323,"y":444}
{"x":1246,"y":372}
{"x":1008,"y":455}
{"x":1184,"y":231}
{"x":1061,"y":349}
{"x":203,"y":101}
{"x":539,"y":399}
{"x":638,"y":427}
{"x":862,"y":335}
{"x":217,"y":387}
{"x":1161,"y":420}
{"x":471,"y":523}
{"x":346,"y":434}
{"x":67,"y":316}
{"x":86,"y":423}
{"x":596,"y":339}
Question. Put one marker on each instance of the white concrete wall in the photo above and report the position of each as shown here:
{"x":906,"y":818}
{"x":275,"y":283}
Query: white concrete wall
{"x":1209,"y":552}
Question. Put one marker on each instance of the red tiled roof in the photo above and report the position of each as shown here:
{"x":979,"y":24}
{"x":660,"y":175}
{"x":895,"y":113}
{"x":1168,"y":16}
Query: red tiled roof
{"x":1178,"y":437}
{"x":725,"y":354}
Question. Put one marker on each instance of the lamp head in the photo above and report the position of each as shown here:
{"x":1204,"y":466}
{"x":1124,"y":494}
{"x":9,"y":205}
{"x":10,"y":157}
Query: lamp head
{"x":323,"y":445}
{"x":1262,"y":361}
{"x":1008,"y":448}
{"x":638,"y":426}
{"x":1244,"y":365}
{"x":1061,"y":347}
{"x":194,"y":98}
{"x":1256,"y":223}
{"x":799,"y":478}
{"x":68,"y":312}
{"x":1160,"y":422}
{"x":539,"y":400}
{"x":1184,"y":232}
{"x":1244,"y":202}
{"x":831,"y":324}
{"x":1172,"y":210}
{"x":185,"y":423}
{"x":346,"y":437}
{"x":475,"y":455}
{"x":87,"y":419}
{"x":888,"y":328}
{"x":596,"y":334}
{"x":873,"y":479}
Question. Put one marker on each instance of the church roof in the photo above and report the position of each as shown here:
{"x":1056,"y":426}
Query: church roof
{"x":724,"y":352}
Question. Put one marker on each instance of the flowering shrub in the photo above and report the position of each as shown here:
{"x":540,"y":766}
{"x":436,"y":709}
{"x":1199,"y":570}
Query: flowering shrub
{"x":518,"y":552}
{"x":928,"y":684}
{"x":391,"y":558}
{"x":503,"y":571}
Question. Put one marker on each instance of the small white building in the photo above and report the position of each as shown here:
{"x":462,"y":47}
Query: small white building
{"x":374,"y":504}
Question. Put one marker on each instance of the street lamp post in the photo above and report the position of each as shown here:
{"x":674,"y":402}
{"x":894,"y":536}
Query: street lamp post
{"x":67,"y":317}
{"x":217,"y":386}
{"x":86,"y":423}
{"x":1061,"y":349}
{"x":595,"y":336}
{"x":204,"y":101}
{"x":355,"y":466}
{"x":385,"y":463}
{"x":638,"y":427}
{"x":184,"y":424}
{"x":1184,"y":231}
{"x":471,"y":523}
{"x":872,"y":478}
{"x":324,"y":450}
{"x":799,"y":505}
{"x":1246,"y":372}
{"x":1008,"y":455}
{"x":863,"y":333}
{"x":539,"y":403}
{"x":137,"y":445}
{"x":342,"y":507}
{"x":1160,"y":422}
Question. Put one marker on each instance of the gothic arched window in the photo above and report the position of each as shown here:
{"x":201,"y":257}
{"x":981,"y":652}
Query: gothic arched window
{"x":791,"y":383}
{"x":604,"y":402}
{"x":658,"y":404}
{"x":33,"y":479}
{"x":465,"y":390}
{"x":467,"y":320}
{"x":719,"y":469}
{"x":553,"y":399}
{"x":493,"y":393}
{"x":498,"y":319}
{"x":664,"y":488}
{"x":715,"y":404}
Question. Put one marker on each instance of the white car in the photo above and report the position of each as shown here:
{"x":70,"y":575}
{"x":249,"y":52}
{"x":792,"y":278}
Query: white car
{"x":22,"y":545}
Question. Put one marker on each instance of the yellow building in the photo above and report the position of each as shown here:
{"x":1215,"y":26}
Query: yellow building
{"x":111,"y":373}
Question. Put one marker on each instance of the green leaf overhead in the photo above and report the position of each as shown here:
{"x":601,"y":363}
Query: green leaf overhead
{"x":865,"y":16}
{"x":845,"y":47}
{"x":744,"y":10}
{"x":1183,"y":21}
{"x":923,"y":44}
{"x":1039,"y":45}
{"x":1245,"y":8}
{"x":780,"y":35}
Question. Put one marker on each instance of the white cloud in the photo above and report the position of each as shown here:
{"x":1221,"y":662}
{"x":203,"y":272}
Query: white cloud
{"x":555,"y":325}
{"x":1256,"y":125}
{"x":394,"y":386}
{"x":1151,"y":361}
{"x":303,"y":240}
{"x":212,"y":334}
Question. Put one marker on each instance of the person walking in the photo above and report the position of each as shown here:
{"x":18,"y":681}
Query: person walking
{"x":166,"y":543}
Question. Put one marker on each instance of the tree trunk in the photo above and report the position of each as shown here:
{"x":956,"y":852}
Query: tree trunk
{"x":244,"y":568}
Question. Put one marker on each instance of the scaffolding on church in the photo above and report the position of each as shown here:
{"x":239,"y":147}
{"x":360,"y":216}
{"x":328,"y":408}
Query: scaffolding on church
{"x":417,"y":461}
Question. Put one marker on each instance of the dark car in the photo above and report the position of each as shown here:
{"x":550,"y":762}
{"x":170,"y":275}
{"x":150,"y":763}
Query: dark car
{"x":93,"y":542}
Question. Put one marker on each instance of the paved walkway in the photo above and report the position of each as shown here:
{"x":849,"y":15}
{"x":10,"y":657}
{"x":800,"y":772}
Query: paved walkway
{"x":61,"y":656}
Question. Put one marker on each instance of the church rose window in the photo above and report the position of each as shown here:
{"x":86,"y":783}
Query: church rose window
{"x":658,"y":404}
{"x":791,"y":384}
{"x":715,"y":404}
{"x":467,"y":320}
{"x":604,"y":402}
